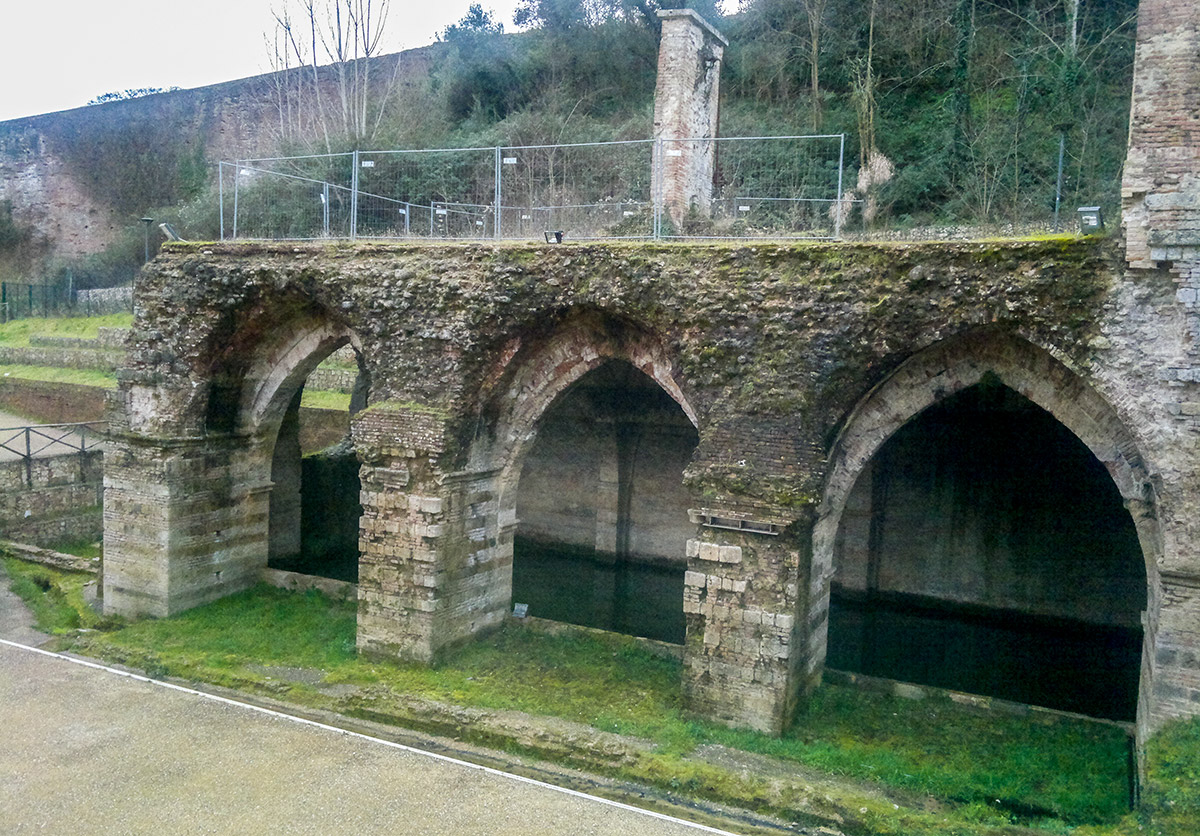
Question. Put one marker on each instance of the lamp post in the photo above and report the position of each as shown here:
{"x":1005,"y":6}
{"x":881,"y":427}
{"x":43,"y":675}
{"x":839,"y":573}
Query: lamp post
{"x":147,"y":222}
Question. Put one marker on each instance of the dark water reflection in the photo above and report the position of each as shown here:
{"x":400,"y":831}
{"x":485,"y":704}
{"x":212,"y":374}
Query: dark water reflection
{"x":1084,"y":668}
{"x":574,"y":585}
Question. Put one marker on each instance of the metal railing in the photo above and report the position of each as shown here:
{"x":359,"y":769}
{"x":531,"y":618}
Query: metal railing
{"x":739,"y":187}
{"x":45,"y":440}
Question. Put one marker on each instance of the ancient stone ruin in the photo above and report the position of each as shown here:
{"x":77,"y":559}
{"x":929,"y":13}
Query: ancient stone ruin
{"x":798,"y":437}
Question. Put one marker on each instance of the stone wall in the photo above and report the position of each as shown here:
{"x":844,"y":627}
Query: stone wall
{"x":53,"y":166}
{"x":52,"y":403}
{"x":108,"y":300}
{"x":52,"y":499}
{"x":62,"y":358}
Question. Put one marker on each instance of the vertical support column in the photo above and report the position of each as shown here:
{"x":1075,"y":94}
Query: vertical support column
{"x":1160,"y":190}
{"x":1160,"y":202}
{"x":686,"y":108}
{"x":745,"y":649}
{"x":286,"y":470}
{"x":185,"y":522}
{"x":1176,"y":660}
{"x":435,"y":564}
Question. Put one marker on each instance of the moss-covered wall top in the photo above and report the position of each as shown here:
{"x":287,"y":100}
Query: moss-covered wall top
{"x":772,"y":345}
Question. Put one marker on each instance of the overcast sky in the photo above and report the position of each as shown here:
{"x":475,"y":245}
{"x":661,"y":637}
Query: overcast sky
{"x":59,"y":54}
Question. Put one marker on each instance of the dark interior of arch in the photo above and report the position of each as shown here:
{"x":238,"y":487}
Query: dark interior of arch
{"x":603,"y":525}
{"x":985,"y":549}
{"x":315,"y":508}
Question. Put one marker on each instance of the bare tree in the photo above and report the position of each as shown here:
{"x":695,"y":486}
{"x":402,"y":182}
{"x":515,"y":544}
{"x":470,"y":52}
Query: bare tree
{"x":341,"y":102}
{"x":814,"y":10}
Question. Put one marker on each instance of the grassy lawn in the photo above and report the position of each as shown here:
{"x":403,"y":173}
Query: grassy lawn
{"x":317,"y":399}
{"x":985,"y":770}
{"x":17,"y":332}
{"x":50,"y":374}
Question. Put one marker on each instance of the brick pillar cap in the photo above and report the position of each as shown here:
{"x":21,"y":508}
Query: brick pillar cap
{"x":669,"y":14}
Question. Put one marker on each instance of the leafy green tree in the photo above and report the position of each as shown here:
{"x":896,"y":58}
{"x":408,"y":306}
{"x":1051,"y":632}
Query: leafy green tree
{"x":475,"y":23}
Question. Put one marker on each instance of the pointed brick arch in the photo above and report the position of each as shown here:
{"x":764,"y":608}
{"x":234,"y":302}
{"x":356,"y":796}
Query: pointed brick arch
{"x":532,"y":379}
{"x":950,"y":367}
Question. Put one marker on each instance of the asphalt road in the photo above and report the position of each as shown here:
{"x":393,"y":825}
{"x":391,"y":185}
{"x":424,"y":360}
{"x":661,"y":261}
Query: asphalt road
{"x":88,"y":750}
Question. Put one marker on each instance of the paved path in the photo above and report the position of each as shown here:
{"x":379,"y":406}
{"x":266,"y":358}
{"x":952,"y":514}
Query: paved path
{"x":16,"y":622}
{"x":87,"y":750}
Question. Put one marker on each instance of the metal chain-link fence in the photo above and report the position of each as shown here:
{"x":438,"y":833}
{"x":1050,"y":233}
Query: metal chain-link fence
{"x":755,"y":187}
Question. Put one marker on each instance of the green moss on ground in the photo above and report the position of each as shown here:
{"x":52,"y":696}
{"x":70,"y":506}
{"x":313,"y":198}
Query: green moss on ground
{"x":54,"y":596}
{"x":964,"y":770}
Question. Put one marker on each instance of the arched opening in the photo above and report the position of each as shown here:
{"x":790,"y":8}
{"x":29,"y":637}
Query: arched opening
{"x":283,"y":389}
{"x":603,"y":525}
{"x":985,"y":548}
{"x":315,"y":508}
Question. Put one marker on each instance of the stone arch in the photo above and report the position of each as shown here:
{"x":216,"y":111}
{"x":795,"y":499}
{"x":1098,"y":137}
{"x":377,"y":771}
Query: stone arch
{"x":258,"y":370}
{"x":532,"y":378}
{"x":953,"y":366}
{"x":528,"y":384}
{"x":254,"y":403}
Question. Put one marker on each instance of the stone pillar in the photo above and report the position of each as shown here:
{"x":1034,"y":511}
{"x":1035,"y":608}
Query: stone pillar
{"x":1161,"y":187}
{"x":686,"y":108}
{"x":745,"y":651}
{"x":183,"y":525}
{"x":1161,"y":216}
{"x":435,"y":564}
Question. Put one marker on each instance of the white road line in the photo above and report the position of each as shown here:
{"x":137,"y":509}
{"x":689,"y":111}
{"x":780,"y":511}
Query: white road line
{"x":305,"y":722}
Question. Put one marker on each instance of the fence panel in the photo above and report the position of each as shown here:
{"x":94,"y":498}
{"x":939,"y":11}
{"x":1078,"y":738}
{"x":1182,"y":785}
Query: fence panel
{"x":587,"y":191}
{"x":727,"y":188}
{"x":749,"y":187}
{"x":440,"y":193}
{"x":287,"y":198}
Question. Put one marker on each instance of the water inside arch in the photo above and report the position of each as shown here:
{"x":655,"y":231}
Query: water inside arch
{"x":603,"y":525}
{"x":985,"y":549}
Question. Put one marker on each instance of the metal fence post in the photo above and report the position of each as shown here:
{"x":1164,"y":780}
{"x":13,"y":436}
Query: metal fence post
{"x":221,"y":195}
{"x":237,"y":176}
{"x":496,"y":224}
{"x":28,"y":460}
{"x":837,"y":198}
{"x":656,"y":176}
{"x":325,"y":210}
{"x":354,"y":198}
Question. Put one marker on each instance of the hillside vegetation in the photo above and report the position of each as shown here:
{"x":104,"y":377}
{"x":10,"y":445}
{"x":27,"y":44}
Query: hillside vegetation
{"x":955,"y":111}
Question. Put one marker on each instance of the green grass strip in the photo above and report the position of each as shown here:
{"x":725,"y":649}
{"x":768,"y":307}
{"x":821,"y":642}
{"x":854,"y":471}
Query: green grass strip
{"x":51,"y":374}
{"x":317,"y":399}
{"x":17,"y":332}
{"x":991,"y":768}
